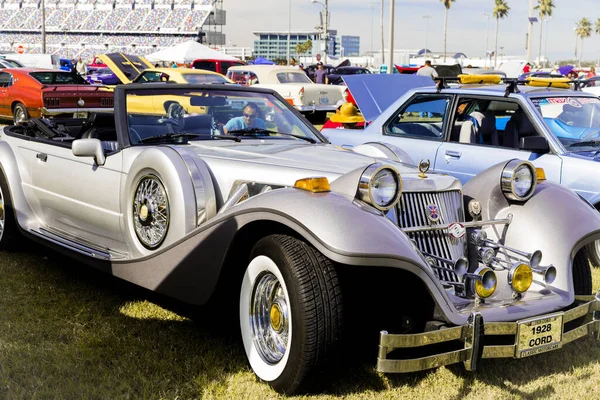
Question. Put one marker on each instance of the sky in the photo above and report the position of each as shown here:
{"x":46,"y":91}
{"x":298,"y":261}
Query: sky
{"x":468,"y":28}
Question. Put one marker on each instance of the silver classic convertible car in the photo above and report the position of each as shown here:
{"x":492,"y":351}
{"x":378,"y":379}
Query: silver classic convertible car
{"x":236,"y":201}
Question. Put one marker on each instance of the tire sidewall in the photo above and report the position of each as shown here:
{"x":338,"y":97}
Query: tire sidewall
{"x":269,"y":258}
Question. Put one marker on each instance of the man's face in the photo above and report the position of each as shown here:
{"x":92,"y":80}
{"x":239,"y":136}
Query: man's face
{"x":318,"y":57}
{"x":249,"y":116}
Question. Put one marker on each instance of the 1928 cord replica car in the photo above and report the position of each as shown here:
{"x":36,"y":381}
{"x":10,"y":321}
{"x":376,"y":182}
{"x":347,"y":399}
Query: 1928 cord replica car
{"x":307,"y":241}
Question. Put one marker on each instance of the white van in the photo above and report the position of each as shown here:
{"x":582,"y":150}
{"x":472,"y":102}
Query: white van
{"x":49,"y":61}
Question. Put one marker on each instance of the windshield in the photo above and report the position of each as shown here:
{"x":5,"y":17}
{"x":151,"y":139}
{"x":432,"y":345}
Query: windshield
{"x":204,"y":78}
{"x":575,"y":121}
{"x":293,"y":77}
{"x":164,"y":114}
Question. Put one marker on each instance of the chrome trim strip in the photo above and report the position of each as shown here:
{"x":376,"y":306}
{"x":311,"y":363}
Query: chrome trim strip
{"x":56,"y":111}
{"x":78,"y":248}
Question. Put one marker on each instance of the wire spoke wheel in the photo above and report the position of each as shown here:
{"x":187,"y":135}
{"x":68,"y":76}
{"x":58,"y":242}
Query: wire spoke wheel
{"x":150,"y":212}
{"x":270,"y":318}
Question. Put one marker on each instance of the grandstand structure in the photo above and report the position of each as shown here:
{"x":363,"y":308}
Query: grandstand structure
{"x":85,"y":28}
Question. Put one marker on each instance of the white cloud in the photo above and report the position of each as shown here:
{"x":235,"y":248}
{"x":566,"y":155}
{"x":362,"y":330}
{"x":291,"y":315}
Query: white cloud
{"x":466,"y":24}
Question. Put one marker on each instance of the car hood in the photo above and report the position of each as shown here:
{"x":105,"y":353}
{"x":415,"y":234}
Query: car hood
{"x":125,"y":66}
{"x":374,"y":93}
{"x":284,"y":161}
{"x":324,"y":158}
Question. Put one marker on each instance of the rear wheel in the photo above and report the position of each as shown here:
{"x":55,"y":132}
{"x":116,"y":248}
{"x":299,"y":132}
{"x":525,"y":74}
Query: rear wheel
{"x":582,"y":274}
{"x":20,"y":114}
{"x":290,"y":311}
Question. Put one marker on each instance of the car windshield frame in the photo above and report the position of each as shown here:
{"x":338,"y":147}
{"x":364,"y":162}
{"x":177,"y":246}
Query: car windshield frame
{"x":202,"y":112}
{"x":573,"y":119}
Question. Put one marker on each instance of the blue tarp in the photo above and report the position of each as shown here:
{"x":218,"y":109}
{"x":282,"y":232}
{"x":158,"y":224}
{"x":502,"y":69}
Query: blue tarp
{"x":376,"y":92}
{"x":263,"y":61}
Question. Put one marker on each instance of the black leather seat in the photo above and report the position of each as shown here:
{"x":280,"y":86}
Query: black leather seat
{"x":101,"y":126}
{"x":518,"y":126}
{"x":202,"y":124}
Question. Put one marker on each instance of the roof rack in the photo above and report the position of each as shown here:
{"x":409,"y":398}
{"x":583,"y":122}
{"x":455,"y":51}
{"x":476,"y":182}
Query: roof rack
{"x":512,"y":83}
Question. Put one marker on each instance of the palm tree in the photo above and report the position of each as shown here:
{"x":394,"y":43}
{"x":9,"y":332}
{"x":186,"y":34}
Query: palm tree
{"x":447,"y":4}
{"x":544,"y":8}
{"x":500,"y":11}
{"x":583,"y":30}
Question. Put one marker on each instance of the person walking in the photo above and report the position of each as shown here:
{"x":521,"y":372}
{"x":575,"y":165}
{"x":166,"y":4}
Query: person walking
{"x":427,"y":70}
{"x":80,"y":67}
{"x":321,"y":75}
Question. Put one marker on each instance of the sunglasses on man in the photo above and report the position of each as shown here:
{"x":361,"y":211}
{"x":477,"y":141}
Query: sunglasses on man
{"x":249,"y":116}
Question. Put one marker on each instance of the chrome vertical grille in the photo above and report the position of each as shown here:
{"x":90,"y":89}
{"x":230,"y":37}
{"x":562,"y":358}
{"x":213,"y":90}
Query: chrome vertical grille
{"x":412,"y":212}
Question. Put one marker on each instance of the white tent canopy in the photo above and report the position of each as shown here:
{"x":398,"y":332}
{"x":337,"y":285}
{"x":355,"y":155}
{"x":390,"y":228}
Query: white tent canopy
{"x":187,"y":52}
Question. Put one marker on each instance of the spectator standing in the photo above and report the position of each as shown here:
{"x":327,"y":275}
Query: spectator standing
{"x":174,"y":65}
{"x":80,"y":67}
{"x":321,"y":75}
{"x":427,"y":70}
{"x":591,"y":74}
{"x":293,"y":63}
{"x":527,"y":68}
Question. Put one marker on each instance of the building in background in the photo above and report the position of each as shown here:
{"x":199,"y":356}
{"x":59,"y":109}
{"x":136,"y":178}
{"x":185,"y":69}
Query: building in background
{"x":273,"y":44}
{"x":350,"y":46}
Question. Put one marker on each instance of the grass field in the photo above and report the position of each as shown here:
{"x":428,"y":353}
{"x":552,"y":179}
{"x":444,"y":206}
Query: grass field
{"x":70,"y":332}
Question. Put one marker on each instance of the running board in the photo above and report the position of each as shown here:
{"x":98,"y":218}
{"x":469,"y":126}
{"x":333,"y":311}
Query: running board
{"x":71,"y":245}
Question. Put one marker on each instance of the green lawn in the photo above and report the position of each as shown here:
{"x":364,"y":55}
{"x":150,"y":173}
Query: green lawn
{"x":70,"y":332}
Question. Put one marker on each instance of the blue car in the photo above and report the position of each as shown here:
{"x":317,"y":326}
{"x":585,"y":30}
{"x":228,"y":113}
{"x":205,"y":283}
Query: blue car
{"x":464,"y":129}
{"x":66,"y":65}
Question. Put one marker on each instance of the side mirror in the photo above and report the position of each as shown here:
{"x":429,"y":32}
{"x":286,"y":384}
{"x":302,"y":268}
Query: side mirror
{"x":536,"y":144}
{"x":89,"y":148}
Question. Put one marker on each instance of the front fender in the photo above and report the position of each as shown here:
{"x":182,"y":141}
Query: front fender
{"x":554,"y":220}
{"x":341,"y":229}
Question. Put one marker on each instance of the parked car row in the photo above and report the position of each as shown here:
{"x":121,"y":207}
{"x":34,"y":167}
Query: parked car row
{"x":224,"y":196}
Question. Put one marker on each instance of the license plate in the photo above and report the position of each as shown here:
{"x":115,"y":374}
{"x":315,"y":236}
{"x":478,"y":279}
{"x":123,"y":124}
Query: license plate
{"x":539,"y":335}
{"x":81,"y":114}
{"x":324,"y":100}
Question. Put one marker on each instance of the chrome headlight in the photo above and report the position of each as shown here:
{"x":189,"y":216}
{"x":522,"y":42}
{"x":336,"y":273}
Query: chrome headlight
{"x":518,"y":180}
{"x":380,"y":186}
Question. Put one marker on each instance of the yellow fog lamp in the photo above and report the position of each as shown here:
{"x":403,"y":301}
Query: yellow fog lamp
{"x":482,"y":282}
{"x":520,"y":277}
{"x":314,"y":185}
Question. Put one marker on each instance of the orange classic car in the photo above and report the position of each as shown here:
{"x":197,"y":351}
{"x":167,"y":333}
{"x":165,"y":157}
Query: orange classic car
{"x":33,"y":93}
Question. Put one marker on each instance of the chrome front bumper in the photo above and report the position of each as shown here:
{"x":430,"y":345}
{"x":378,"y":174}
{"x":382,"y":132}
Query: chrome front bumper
{"x":314,"y":108}
{"x":584,"y":321}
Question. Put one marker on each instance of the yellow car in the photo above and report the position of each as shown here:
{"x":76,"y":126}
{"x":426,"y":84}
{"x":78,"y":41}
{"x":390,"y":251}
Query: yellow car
{"x":135,"y":69}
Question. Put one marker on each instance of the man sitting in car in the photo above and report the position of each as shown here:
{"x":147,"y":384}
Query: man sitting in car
{"x":248,"y":120}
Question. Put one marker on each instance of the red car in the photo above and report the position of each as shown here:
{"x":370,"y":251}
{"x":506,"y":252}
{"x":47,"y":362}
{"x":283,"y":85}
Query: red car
{"x":94,"y":65}
{"x":33,"y":93}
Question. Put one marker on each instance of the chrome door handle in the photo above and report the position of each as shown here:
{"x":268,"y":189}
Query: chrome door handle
{"x":41,"y":156}
{"x":451,"y":153}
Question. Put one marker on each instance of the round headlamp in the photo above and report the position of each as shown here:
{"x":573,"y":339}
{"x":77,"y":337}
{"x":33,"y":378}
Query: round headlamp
{"x":484,"y":282}
{"x":520,"y":277}
{"x":380,"y":186}
{"x":518,"y":180}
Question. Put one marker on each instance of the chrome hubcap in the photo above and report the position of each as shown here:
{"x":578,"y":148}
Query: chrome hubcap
{"x":150,"y":212}
{"x":269,"y":318}
{"x":19,"y":115}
